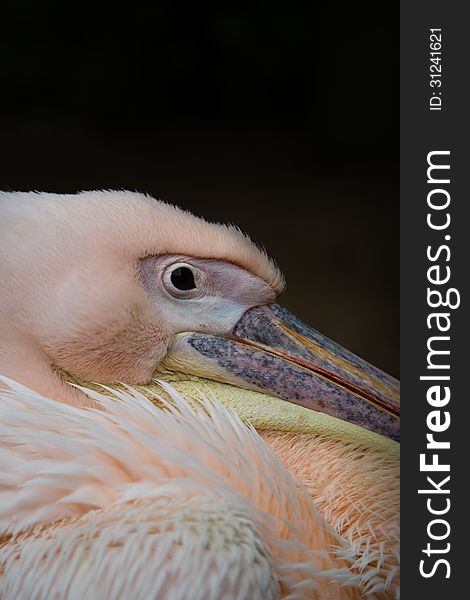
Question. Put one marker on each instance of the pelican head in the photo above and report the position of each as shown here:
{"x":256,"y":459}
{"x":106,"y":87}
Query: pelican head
{"x":114,"y":286}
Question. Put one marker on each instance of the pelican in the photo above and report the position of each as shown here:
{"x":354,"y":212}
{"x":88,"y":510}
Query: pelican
{"x":167,"y":430}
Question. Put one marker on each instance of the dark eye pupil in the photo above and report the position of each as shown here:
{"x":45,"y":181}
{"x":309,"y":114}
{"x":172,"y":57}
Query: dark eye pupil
{"x":183,"y":279}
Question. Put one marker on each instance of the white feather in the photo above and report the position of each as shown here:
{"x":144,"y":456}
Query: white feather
{"x":101,"y":471}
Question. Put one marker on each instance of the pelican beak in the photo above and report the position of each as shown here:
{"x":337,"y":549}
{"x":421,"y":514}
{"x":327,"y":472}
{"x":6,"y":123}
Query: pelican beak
{"x":271,"y":351}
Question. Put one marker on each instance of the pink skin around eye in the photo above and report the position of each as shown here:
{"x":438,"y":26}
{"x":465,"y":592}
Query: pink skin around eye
{"x":232,"y":282}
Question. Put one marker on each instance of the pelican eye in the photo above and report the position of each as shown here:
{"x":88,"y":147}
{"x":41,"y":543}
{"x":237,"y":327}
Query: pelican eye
{"x":183,"y":279}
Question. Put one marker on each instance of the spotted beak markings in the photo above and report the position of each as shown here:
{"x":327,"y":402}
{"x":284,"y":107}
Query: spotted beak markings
{"x":271,"y":351}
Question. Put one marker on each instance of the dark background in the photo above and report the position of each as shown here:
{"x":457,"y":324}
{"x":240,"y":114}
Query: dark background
{"x":281,"y":117}
{"x":423,"y":131}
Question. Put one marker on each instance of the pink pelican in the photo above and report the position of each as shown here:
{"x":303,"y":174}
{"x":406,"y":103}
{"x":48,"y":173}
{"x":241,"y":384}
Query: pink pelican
{"x":166,"y":430}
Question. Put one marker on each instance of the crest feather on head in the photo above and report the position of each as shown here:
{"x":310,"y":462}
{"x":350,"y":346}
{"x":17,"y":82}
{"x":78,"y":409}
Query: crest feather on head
{"x":133,"y":223}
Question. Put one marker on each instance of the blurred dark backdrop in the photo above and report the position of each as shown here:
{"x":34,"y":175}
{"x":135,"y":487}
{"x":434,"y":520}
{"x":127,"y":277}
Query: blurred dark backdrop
{"x":281,"y":117}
